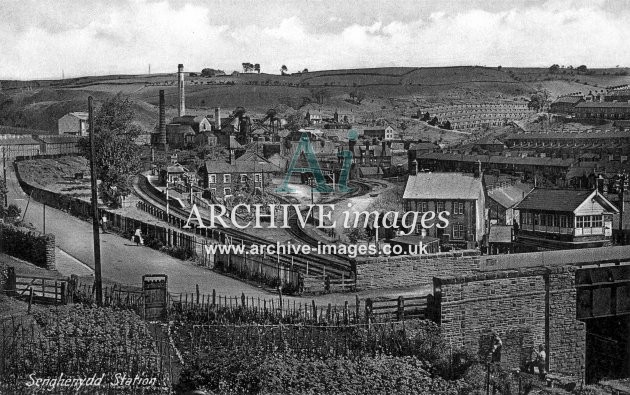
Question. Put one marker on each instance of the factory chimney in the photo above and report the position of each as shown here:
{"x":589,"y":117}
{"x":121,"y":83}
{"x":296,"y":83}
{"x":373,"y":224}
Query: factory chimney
{"x":217,"y":118}
{"x":181,"y":107}
{"x":162,"y":123}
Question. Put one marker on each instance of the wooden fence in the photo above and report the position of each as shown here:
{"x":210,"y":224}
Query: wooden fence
{"x":400,"y":308}
{"x":42,"y":289}
{"x":313,"y":283}
{"x":214,"y":308}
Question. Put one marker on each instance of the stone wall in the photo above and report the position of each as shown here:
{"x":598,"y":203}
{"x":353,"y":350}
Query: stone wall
{"x":525,"y":308}
{"x":29,"y":245}
{"x":567,"y":335}
{"x":401,"y":271}
{"x":508,"y":303}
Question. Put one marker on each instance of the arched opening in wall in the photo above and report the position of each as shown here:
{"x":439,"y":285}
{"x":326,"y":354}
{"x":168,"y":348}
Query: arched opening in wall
{"x":603,"y":303}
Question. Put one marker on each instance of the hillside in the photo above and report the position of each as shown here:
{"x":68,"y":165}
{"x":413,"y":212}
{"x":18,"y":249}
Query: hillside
{"x":389,"y":92}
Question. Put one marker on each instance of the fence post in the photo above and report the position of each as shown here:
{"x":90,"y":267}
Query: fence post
{"x":357,"y":311}
{"x":30,"y":299}
{"x":401,"y":308}
{"x":197,"y":292}
{"x":368,"y":310}
{"x":11,"y":281}
{"x":64,"y":299}
{"x":214,"y":298}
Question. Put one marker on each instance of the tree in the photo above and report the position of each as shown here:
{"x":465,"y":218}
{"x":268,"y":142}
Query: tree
{"x":499,"y":68}
{"x":3,"y":192}
{"x":257,"y":68}
{"x":554,"y":68}
{"x":117,"y":155}
{"x":434,"y":121}
{"x":208,"y":72}
{"x":582,"y":69}
{"x":359,"y":96}
{"x":13,"y":211}
{"x":426,"y":117}
{"x":305,"y":71}
{"x":283,"y":69}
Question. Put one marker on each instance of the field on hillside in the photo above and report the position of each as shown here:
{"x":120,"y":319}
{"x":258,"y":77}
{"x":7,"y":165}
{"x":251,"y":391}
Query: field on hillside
{"x":394,"y":91}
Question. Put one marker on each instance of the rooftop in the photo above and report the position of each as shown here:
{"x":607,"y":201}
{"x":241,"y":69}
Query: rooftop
{"x":565,"y":200}
{"x":569,"y":99}
{"x":605,"y":104}
{"x":443,"y":186}
{"x":509,"y":195}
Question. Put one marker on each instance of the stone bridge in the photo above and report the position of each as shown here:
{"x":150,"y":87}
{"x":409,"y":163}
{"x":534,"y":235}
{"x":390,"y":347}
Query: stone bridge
{"x":575,"y":303}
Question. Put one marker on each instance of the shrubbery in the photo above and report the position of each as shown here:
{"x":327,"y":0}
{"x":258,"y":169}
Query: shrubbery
{"x":24,"y":244}
{"x":233,"y":371}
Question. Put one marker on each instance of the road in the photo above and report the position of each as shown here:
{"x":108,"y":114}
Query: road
{"x":125,"y":263}
{"x":122,"y":261}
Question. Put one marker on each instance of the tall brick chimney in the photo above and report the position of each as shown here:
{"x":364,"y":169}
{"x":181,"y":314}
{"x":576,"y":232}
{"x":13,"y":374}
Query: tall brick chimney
{"x":181,"y":107}
{"x":217,"y":118}
{"x":162,"y":123}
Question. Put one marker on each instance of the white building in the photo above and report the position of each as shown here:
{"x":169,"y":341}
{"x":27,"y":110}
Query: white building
{"x":74,"y":123}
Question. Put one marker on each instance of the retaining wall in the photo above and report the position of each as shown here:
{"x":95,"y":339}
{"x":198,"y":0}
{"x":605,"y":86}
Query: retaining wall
{"x":401,"y":271}
{"x":525,"y":308}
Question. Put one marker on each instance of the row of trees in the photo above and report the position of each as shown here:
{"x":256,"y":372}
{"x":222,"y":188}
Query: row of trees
{"x":249,"y":67}
{"x":555,"y":68}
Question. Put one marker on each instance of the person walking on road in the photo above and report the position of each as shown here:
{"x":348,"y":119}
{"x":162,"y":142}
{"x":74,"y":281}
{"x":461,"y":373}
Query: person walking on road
{"x":104,"y":223}
{"x":137,"y":237}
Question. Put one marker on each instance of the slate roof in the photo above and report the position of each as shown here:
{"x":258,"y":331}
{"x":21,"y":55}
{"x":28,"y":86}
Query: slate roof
{"x":497,"y":159}
{"x":566,"y":200}
{"x":568,"y":135}
{"x":568,"y":99}
{"x":58,"y":139}
{"x":17,"y":140}
{"x":509,"y":195}
{"x":606,"y":104}
{"x":80,"y":114}
{"x":219,"y":166}
{"x":443,"y":186}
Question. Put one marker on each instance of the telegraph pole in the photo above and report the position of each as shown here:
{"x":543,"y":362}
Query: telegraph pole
{"x":98,"y":282}
{"x":4,"y":171}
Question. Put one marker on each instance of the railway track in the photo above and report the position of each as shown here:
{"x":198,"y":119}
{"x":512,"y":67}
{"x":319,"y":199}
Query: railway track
{"x":334,"y":265}
{"x":295,"y":230}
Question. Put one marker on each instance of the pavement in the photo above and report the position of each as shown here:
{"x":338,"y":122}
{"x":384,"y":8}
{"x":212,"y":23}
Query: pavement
{"x":125,"y":263}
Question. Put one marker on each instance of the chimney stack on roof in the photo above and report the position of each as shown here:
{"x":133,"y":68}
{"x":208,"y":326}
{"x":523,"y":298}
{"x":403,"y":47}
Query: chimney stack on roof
{"x":413,"y":170}
{"x":181,"y":107}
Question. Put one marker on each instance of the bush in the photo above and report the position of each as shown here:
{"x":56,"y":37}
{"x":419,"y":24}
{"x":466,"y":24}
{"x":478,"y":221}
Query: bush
{"x":244,"y":372}
{"x":24,"y":244}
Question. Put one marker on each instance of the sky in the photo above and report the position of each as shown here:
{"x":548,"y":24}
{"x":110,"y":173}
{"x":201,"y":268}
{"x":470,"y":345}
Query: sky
{"x":43,"y":39}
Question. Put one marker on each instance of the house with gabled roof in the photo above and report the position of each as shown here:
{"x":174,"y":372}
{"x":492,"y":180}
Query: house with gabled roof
{"x":553,"y":219}
{"x":461,"y":195}
{"x":221,"y":178}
